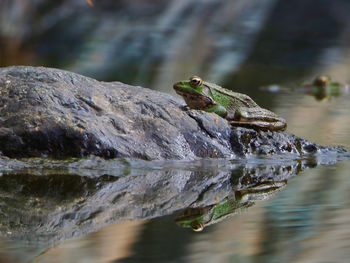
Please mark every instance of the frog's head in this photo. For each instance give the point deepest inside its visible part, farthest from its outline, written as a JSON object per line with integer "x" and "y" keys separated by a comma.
{"x": 198, "y": 218}
{"x": 196, "y": 94}
{"x": 322, "y": 81}
{"x": 195, "y": 218}
{"x": 193, "y": 85}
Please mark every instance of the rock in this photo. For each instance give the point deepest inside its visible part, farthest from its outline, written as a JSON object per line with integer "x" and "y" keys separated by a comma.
{"x": 47, "y": 112}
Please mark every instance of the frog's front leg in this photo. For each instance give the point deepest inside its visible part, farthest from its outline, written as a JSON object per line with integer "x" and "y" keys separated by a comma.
{"x": 185, "y": 108}
{"x": 219, "y": 110}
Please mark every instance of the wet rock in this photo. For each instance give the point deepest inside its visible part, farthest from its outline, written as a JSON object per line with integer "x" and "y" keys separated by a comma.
{"x": 48, "y": 112}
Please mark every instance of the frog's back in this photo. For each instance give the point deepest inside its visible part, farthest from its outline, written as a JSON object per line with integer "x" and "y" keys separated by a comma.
{"x": 231, "y": 99}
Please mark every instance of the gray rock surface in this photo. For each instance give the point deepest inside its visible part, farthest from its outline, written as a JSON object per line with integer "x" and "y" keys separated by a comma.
{"x": 47, "y": 112}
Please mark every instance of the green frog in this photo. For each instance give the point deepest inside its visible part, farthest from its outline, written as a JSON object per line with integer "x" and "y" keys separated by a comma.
{"x": 324, "y": 87}
{"x": 239, "y": 109}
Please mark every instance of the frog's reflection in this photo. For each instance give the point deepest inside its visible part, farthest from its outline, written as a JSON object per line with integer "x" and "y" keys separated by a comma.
{"x": 200, "y": 217}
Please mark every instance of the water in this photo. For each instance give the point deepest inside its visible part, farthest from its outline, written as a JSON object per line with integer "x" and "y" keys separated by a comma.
{"x": 126, "y": 210}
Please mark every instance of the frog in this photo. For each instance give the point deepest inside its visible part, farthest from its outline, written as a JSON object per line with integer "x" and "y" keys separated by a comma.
{"x": 324, "y": 87}
{"x": 237, "y": 108}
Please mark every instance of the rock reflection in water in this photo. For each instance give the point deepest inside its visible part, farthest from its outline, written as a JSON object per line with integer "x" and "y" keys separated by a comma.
{"x": 47, "y": 201}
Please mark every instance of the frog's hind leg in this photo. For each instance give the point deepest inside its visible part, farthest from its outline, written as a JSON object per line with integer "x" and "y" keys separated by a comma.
{"x": 260, "y": 126}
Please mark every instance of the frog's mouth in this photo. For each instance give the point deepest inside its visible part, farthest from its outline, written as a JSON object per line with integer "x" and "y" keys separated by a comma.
{"x": 195, "y": 214}
{"x": 184, "y": 91}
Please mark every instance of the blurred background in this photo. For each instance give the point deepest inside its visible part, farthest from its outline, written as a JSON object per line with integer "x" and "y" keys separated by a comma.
{"x": 241, "y": 45}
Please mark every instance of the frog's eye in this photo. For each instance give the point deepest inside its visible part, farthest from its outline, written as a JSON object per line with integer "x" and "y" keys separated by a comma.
{"x": 197, "y": 226}
{"x": 195, "y": 81}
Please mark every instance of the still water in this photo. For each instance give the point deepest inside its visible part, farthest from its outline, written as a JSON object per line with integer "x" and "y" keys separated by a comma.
{"x": 279, "y": 214}
{"x": 307, "y": 222}
{"x": 268, "y": 210}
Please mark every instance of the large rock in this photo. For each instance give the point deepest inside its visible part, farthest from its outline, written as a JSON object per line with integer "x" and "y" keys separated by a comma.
{"x": 54, "y": 113}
